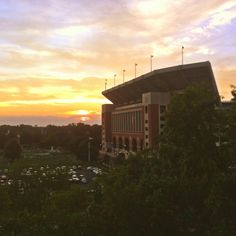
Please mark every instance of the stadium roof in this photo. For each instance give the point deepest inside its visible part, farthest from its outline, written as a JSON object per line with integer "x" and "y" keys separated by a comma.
{"x": 163, "y": 80}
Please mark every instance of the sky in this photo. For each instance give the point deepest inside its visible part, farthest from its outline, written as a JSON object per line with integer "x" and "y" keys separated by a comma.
{"x": 56, "y": 54}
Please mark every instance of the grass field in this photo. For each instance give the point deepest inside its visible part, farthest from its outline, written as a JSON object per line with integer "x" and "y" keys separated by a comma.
{"x": 39, "y": 157}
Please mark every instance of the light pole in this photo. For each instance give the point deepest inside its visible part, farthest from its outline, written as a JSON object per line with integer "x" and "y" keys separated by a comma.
{"x": 182, "y": 55}
{"x": 123, "y": 75}
{"x": 114, "y": 79}
{"x": 151, "y": 57}
{"x": 105, "y": 84}
{"x": 90, "y": 139}
{"x": 135, "y": 70}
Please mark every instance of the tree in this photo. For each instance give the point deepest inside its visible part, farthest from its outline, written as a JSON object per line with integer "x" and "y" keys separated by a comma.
{"x": 189, "y": 140}
{"x": 12, "y": 150}
{"x": 233, "y": 92}
{"x": 190, "y": 154}
{"x": 229, "y": 134}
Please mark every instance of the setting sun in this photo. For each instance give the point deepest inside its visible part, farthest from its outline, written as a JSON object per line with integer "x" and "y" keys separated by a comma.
{"x": 79, "y": 112}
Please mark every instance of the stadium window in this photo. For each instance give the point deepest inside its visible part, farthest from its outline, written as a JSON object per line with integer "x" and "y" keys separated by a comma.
{"x": 162, "y": 108}
{"x": 146, "y": 109}
{"x": 162, "y": 118}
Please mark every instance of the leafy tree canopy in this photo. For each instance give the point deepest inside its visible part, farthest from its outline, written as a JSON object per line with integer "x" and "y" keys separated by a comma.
{"x": 13, "y": 149}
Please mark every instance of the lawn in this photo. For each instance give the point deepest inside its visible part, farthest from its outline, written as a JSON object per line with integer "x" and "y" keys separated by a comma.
{"x": 36, "y": 158}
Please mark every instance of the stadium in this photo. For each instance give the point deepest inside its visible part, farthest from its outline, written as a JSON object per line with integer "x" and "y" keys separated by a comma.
{"x": 136, "y": 117}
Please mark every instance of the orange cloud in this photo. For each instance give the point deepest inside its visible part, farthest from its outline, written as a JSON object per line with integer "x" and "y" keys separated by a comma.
{"x": 50, "y": 97}
{"x": 54, "y": 61}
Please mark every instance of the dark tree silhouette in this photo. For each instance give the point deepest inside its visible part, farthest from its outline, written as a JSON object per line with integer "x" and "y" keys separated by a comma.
{"x": 12, "y": 149}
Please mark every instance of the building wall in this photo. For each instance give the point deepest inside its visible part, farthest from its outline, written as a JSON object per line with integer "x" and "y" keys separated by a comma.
{"x": 106, "y": 127}
{"x": 134, "y": 127}
{"x": 127, "y": 128}
{"x": 153, "y": 124}
{"x": 153, "y": 102}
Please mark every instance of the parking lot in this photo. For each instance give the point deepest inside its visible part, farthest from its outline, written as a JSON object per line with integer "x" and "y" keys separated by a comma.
{"x": 35, "y": 172}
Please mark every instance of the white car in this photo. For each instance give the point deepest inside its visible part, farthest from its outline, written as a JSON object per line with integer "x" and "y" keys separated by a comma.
{"x": 28, "y": 173}
{"x": 10, "y": 182}
{"x": 83, "y": 180}
{"x": 4, "y": 177}
{"x": 97, "y": 171}
{"x": 72, "y": 172}
{"x": 76, "y": 179}
{"x": 90, "y": 168}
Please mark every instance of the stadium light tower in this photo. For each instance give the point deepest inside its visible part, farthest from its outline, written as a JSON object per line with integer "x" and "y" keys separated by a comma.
{"x": 151, "y": 57}
{"x": 135, "y": 70}
{"x": 182, "y": 55}
{"x": 105, "y": 84}
{"x": 123, "y": 75}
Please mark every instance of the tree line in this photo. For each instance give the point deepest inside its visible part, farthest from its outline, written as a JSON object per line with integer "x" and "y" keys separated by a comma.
{"x": 72, "y": 137}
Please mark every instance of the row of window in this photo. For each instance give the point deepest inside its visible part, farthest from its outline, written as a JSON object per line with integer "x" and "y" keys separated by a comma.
{"x": 162, "y": 109}
{"x": 132, "y": 121}
{"x": 127, "y": 122}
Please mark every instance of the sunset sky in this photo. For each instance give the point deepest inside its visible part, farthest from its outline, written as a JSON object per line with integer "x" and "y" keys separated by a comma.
{"x": 56, "y": 54}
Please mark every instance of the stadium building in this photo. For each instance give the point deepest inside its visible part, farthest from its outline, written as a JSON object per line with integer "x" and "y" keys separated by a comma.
{"x": 136, "y": 117}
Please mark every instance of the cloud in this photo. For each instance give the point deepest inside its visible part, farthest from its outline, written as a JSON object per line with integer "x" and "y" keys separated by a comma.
{"x": 50, "y": 97}
{"x": 226, "y": 78}
{"x": 55, "y": 54}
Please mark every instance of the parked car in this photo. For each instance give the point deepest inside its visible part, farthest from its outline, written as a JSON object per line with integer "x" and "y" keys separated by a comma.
{"x": 84, "y": 180}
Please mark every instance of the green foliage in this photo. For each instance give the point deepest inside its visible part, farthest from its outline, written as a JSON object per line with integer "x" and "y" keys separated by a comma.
{"x": 68, "y": 137}
{"x": 12, "y": 149}
{"x": 143, "y": 197}
{"x": 233, "y": 92}
{"x": 230, "y": 134}
{"x": 189, "y": 141}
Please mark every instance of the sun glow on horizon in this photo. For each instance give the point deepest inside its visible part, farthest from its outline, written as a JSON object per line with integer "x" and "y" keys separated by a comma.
{"x": 79, "y": 112}
{"x": 81, "y": 115}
